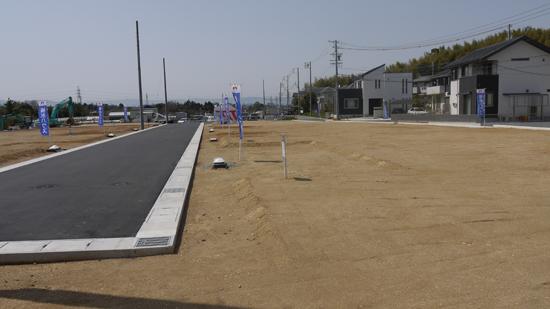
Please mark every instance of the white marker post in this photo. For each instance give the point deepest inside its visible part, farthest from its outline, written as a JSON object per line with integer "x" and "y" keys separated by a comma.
{"x": 283, "y": 146}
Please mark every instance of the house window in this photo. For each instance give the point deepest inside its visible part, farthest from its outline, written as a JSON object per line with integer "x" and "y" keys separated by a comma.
{"x": 377, "y": 84}
{"x": 487, "y": 68}
{"x": 520, "y": 59}
{"x": 351, "y": 103}
{"x": 463, "y": 71}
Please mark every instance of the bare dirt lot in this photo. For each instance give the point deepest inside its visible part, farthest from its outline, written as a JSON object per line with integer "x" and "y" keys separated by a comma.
{"x": 21, "y": 145}
{"x": 377, "y": 216}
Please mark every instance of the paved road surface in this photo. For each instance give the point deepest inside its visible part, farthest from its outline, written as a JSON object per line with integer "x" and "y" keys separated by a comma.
{"x": 100, "y": 192}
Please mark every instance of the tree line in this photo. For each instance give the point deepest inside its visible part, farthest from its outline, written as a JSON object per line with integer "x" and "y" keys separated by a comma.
{"x": 30, "y": 108}
{"x": 436, "y": 59}
{"x": 439, "y": 57}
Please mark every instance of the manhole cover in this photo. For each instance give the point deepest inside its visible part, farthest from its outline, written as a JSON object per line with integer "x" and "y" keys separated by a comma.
{"x": 174, "y": 190}
{"x": 153, "y": 242}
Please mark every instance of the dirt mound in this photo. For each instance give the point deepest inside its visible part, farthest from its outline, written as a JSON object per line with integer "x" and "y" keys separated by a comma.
{"x": 244, "y": 191}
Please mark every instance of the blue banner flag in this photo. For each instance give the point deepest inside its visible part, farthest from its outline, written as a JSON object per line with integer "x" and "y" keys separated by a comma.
{"x": 100, "y": 114}
{"x": 481, "y": 103}
{"x": 125, "y": 114}
{"x": 43, "y": 119}
{"x": 386, "y": 110}
{"x": 236, "y": 89}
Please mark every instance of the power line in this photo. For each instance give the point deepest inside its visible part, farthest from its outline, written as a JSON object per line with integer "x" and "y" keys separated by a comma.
{"x": 453, "y": 38}
{"x": 522, "y": 71}
{"x": 517, "y": 18}
{"x": 501, "y": 22}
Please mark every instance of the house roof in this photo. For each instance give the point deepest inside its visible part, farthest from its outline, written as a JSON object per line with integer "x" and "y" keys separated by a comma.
{"x": 483, "y": 53}
{"x": 421, "y": 79}
{"x": 427, "y": 78}
{"x": 372, "y": 70}
{"x": 444, "y": 73}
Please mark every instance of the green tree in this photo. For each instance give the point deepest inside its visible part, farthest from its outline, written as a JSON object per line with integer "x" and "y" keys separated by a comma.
{"x": 302, "y": 103}
{"x": 343, "y": 80}
{"x": 437, "y": 58}
{"x": 256, "y": 107}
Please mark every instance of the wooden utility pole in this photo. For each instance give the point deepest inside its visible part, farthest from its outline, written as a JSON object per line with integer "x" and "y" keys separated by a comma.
{"x": 298, "y": 81}
{"x": 280, "y": 94}
{"x": 308, "y": 66}
{"x": 263, "y": 92}
{"x": 336, "y": 63}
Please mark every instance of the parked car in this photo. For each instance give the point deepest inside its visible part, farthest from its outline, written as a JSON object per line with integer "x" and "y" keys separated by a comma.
{"x": 417, "y": 111}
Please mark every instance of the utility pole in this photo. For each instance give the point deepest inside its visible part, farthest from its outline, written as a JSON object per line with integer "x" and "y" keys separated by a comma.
{"x": 146, "y": 99}
{"x": 287, "y": 93}
{"x": 298, "y": 81}
{"x": 308, "y": 66}
{"x": 165, "y": 92}
{"x": 142, "y": 124}
{"x": 298, "y": 78}
{"x": 280, "y": 94}
{"x": 263, "y": 94}
{"x": 78, "y": 95}
{"x": 336, "y": 62}
{"x": 509, "y": 31}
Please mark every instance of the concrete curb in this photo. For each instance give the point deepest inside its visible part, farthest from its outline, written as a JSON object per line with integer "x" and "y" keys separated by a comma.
{"x": 157, "y": 235}
{"x": 503, "y": 126}
{"x": 476, "y": 126}
{"x": 53, "y": 155}
{"x": 452, "y": 125}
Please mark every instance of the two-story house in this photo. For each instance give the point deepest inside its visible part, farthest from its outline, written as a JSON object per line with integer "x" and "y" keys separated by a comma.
{"x": 434, "y": 91}
{"x": 379, "y": 86}
{"x": 515, "y": 75}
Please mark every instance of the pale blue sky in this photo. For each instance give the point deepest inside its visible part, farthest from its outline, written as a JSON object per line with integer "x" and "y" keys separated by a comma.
{"x": 49, "y": 47}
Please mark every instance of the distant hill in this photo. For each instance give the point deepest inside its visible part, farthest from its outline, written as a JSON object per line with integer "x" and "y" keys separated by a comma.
{"x": 441, "y": 56}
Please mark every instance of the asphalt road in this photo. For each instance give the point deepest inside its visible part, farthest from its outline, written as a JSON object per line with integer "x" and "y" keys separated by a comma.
{"x": 99, "y": 192}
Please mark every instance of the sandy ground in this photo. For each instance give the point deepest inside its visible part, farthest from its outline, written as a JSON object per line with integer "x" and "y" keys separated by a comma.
{"x": 373, "y": 215}
{"x": 21, "y": 145}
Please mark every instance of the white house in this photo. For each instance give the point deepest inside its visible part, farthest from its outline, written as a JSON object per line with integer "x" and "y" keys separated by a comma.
{"x": 434, "y": 91}
{"x": 515, "y": 75}
{"x": 379, "y": 86}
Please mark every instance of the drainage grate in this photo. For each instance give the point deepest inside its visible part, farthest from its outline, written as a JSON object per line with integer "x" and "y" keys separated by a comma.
{"x": 153, "y": 242}
{"x": 174, "y": 190}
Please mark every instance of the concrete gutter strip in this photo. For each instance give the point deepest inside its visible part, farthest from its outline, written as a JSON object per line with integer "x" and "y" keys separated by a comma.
{"x": 476, "y": 125}
{"x": 502, "y": 126}
{"x": 445, "y": 124}
{"x": 157, "y": 234}
{"x": 164, "y": 218}
{"x": 53, "y": 155}
{"x": 451, "y": 124}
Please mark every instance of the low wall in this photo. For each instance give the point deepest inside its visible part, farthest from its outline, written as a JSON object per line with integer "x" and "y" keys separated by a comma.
{"x": 308, "y": 118}
{"x": 434, "y": 118}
